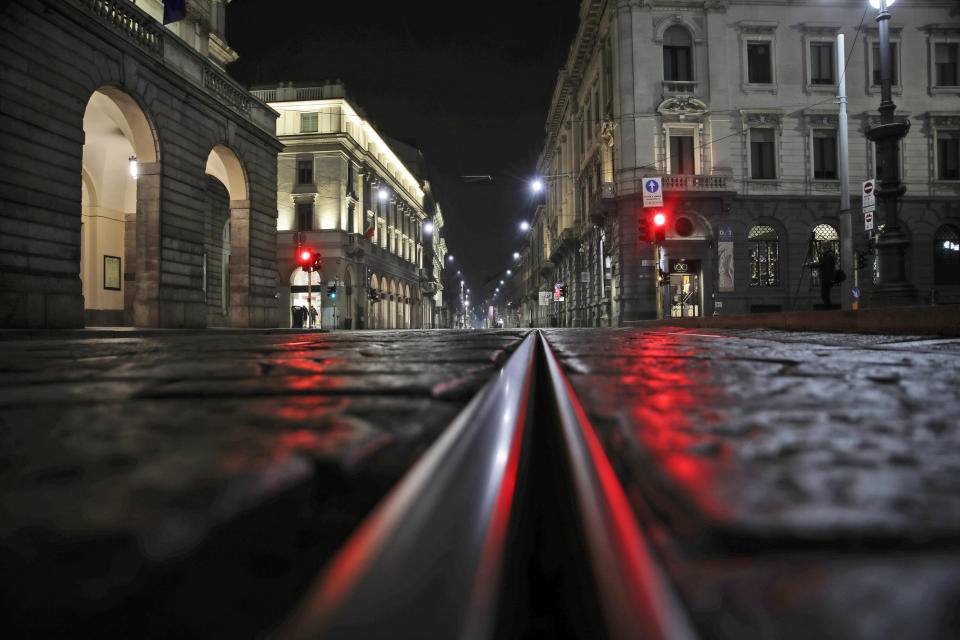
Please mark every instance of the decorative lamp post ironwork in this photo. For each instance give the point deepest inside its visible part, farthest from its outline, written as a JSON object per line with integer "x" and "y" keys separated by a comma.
{"x": 893, "y": 287}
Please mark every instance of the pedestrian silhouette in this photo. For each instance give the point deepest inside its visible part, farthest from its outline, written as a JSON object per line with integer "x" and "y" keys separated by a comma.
{"x": 828, "y": 275}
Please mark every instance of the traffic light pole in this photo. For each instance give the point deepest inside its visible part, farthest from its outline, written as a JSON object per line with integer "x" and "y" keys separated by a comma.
{"x": 656, "y": 282}
{"x": 309, "y": 304}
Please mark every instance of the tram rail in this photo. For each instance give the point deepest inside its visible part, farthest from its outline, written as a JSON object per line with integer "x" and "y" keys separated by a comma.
{"x": 512, "y": 524}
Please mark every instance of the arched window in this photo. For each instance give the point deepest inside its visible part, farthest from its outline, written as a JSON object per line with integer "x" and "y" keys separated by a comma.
{"x": 677, "y": 55}
{"x": 946, "y": 255}
{"x": 824, "y": 238}
{"x": 764, "y": 256}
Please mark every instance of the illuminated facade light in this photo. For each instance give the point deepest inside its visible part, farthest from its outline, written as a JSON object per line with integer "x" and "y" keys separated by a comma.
{"x": 134, "y": 167}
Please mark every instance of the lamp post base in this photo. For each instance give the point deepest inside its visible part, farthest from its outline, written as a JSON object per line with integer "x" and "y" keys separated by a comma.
{"x": 894, "y": 289}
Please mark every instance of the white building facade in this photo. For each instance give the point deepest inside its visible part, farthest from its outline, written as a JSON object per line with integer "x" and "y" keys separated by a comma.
{"x": 732, "y": 104}
{"x": 345, "y": 194}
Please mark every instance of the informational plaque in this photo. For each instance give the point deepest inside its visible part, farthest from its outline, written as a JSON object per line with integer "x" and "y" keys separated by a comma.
{"x": 111, "y": 272}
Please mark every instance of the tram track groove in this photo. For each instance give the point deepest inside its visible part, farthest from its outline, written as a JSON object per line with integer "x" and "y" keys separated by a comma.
{"x": 459, "y": 547}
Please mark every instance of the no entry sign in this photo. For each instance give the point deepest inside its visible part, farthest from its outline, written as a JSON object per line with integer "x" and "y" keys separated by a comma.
{"x": 868, "y": 194}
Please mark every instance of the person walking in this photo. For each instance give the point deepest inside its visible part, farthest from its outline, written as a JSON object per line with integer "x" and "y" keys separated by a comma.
{"x": 828, "y": 275}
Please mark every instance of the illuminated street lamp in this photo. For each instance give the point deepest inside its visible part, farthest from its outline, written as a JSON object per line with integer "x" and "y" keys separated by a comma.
{"x": 537, "y": 185}
{"x": 382, "y": 194}
{"x": 509, "y": 272}
{"x": 893, "y": 287}
{"x": 524, "y": 225}
{"x": 516, "y": 255}
{"x": 428, "y": 228}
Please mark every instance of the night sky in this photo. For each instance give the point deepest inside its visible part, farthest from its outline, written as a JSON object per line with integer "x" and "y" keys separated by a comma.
{"x": 470, "y": 83}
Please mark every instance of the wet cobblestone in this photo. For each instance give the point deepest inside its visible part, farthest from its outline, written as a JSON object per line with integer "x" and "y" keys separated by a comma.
{"x": 147, "y": 458}
{"x": 795, "y": 482}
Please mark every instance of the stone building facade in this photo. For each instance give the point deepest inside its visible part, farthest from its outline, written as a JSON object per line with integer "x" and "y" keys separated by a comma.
{"x": 356, "y": 198}
{"x": 732, "y": 104}
{"x": 137, "y": 180}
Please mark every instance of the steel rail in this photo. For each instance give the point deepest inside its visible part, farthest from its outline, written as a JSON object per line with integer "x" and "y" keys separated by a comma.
{"x": 427, "y": 562}
{"x": 635, "y": 596}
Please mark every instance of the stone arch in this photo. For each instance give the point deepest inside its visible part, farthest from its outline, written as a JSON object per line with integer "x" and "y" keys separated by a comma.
{"x": 120, "y": 211}
{"x": 300, "y": 279}
{"x": 678, "y": 20}
{"x": 223, "y": 164}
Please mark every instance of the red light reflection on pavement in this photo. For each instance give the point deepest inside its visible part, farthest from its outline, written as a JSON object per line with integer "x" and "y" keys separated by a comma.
{"x": 302, "y": 408}
{"x": 672, "y": 396}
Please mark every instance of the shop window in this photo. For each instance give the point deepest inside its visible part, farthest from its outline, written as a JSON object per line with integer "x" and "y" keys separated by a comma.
{"x": 764, "y": 246}
{"x": 946, "y": 255}
{"x": 825, "y": 238}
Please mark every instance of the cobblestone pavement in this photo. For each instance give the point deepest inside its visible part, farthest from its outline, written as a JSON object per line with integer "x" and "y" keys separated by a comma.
{"x": 141, "y": 473}
{"x": 810, "y": 483}
{"x": 796, "y": 485}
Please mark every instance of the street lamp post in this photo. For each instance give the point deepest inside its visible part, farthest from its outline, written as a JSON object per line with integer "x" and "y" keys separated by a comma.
{"x": 893, "y": 288}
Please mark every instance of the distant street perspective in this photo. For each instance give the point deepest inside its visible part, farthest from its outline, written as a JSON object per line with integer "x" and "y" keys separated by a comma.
{"x": 582, "y": 319}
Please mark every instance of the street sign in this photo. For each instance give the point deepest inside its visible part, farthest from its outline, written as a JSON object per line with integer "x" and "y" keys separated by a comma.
{"x": 652, "y": 192}
{"x": 545, "y": 298}
{"x": 856, "y": 293}
{"x": 868, "y": 220}
{"x": 868, "y": 194}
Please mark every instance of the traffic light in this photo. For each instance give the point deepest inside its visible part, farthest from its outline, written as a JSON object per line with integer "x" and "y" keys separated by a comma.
{"x": 860, "y": 260}
{"x": 309, "y": 259}
{"x": 373, "y": 295}
{"x": 305, "y": 257}
{"x": 659, "y": 220}
{"x": 332, "y": 291}
{"x": 563, "y": 291}
{"x": 643, "y": 228}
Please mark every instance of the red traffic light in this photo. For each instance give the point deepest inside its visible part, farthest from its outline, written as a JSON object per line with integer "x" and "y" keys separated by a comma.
{"x": 659, "y": 219}
{"x": 309, "y": 259}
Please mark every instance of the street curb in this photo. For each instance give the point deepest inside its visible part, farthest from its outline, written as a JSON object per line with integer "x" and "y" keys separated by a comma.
{"x": 942, "y": 320}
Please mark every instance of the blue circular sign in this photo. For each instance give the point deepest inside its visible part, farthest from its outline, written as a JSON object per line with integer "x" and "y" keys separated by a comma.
{"x": 652, "y": 186}
{"x": 856, "y": 293}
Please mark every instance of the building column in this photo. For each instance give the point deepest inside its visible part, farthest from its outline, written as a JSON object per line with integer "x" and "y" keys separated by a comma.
{"x": 146, "y": 303}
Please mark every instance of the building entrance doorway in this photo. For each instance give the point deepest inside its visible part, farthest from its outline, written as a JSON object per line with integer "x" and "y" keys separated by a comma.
{"x": 686, "y": 297}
